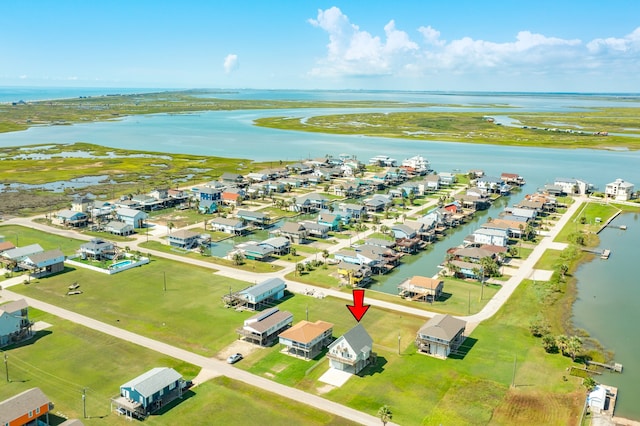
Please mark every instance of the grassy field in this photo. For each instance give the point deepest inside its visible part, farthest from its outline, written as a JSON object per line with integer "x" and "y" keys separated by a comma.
{"x": 65, "y": 358}
{"x": 472, "y": 127}
{"x": 22, "y": 236}
{"x": 589, "y": 211}
{"x": 183, "y": 316}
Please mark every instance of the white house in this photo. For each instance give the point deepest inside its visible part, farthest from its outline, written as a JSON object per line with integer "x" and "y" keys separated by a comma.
{"x": 494, "y": 237}
{"x": 131, "y": 217}
{"x": 619, "y": 190}
{"x": 351, "y": 352}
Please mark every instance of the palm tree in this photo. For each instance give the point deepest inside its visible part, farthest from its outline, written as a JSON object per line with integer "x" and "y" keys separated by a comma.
{"x": 385, "y": 414}
{"x": 562, "y": 342}
{"x": 563, "y": 269}
{"x": 325, "y": 255}
{"x": 238, "y": 258}
{"x": 574, "y": 346}
{"x": 170, "y": 226}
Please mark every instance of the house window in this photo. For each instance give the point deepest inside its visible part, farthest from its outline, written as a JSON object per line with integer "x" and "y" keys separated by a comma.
{"x": 38, "y": 410}
{"x": 30, "y": 414}
{"x": 172, "y": 386}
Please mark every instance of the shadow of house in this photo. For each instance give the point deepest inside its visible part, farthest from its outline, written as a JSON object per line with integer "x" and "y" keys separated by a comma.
{"x": 463, "y": 349}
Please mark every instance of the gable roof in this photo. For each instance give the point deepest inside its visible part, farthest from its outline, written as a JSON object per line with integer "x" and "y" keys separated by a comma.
{"x": 44, "y": 256}
{"x": 123, "y": 211}
{"x": 262, "y": 323}
{"x": 305, "y": 331}
{"x": 424, "y": 282}
{"x": 357, "y": 338}
{"x": 22, "y": 251}
{"x": 251, "y": 214}
{"x": 14, "y": 306}
{"x": 21, "y": 404}
{"x": 184, "y": 234}
{"x": 6, "y": 245}
{"x": 444, "y": 327}
{"x": 153, "y": 380}
{"x": 292, "y": 227}
{"x": 264, "y": 286}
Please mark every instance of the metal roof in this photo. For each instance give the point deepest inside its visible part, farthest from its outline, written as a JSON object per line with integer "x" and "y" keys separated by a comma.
{"x": 153, "y": 381}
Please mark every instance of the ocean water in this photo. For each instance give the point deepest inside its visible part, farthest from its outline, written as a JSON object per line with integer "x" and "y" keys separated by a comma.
{"x": 607, "y": 289}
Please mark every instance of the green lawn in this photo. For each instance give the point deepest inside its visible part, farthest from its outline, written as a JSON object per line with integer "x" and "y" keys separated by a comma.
{"x": 21, "y": 236}
{"x": 247, "y": 265}
{"x": 590, "y": 211}
{"x": 67, "y": 357}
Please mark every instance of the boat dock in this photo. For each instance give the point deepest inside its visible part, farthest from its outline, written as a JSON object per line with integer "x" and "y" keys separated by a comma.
{"x": 613, "y": 367}
{"x": 604, "y": 254}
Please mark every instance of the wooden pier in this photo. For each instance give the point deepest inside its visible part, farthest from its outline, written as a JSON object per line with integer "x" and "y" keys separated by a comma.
{"x": 613, "y": 367}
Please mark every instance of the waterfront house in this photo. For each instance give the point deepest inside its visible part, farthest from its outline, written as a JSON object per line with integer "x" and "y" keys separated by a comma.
{"x": 597, "y": 399}
{"x": 378, "y": 203}
{"x": 295, "y": 232}
{"x": 231, "y": 226}
{"x": 512, "y": 179}
{"x": 496, "y": 237}
{"x": 207, "y": 206}
{"x": 352, "y": 351}
{"x": 421, "y": 289}
{"x": 254, "y": 250}
{"x": 263, "y": 293}
{"x": 431, "y": 183}
{"x": 352, "y": 211}
{"x": 440, "y": 336}
{"x": 619, "y": 190}
{"x": 183, "y": 238}
{"x": 149, "y": 392}
{"x": 14, "y": 322}
{"x": 30, "y": 407}
{"x": 254, "y": 218}
{"x": 348, "y": 256}
{"x": 387, "y": 244}
{"x": 279, "y": 245}
{"x": 490, "y": 183}
{"x": 263, "y": 328}
{"x": 332, "y": 220}
{"x": 514, "y": 228}
{"x": 355, "y": 274}
{"x": 316, "y": 230}
{"x": 528, "y": 214}
{"x": 231, "y": 178}
{"x": 70, "y": 218}
{"x": 135, "y": 218}
{"x": 45, "y": 263}
{"x": 416, "y": 164}
{"x": 310, "y": 202}
{"x": 307, "y": 339}
{"x": 81, "y": 203}
{"x": 447, "y": 178}
{"x": 402, "y": 231}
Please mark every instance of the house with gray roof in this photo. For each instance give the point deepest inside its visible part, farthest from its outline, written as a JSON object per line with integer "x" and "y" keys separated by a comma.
{"x": 45, "y": 263}
{"x": 263, "y": 328}
{"x": 317, "y": 230}
{"x": 98, "y": 249}
{"x": 14, "y": 322}
{"x": 440, "y": 336}
{"x": 132, "y": 217}
{"x": 26, "y": 408}
{"x": 296, "y": 232}
{"x": 352, "y": 351}
{"x": 255, "y": 218}
{"x": 183, "y": 238}
{"x": 149, "y": 392}
{"x": 70, "y": 218}
{"x": 228, "y": 225}
{"x": 263, "y": 293}
{"x": 279, "y": 245}
{"x": 117, "y": 227}
{"x": 19, "y": 254}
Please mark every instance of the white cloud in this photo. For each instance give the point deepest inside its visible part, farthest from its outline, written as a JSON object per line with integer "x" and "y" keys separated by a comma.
{"x": 352, "y": 51}
{"x": 231, "y": 63}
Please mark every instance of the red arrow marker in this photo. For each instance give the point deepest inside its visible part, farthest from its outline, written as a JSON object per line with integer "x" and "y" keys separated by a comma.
{"x": 358, "y": 309}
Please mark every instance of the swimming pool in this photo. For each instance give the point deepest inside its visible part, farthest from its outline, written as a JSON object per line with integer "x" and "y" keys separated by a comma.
{"x": 121, "y": 264}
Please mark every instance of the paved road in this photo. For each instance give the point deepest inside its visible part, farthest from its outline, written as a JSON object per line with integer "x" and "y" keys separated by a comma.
{"x": 215, "y": 367}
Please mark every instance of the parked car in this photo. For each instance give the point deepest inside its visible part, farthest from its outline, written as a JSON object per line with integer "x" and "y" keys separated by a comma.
{"x": 234, "y": 358}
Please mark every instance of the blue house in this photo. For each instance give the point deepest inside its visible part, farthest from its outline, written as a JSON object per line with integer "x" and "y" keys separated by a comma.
{"x": 207, "y": 206}
{"x": 14, "y": 322}
{"x": 206, "y": 193}
{"x": 263, "y": 293}
{"x": 330, "y": 219}
{"x": 150, "y": 391}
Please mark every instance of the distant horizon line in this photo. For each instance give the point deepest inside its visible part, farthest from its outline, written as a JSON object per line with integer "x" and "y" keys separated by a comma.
{"x": 220, "y": 89}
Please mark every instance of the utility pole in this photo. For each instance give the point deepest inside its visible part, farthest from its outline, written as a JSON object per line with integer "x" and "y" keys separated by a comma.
{"x": 164, "y": 278}
{"x": 84, "y": 402}
{"x": 6, "y": 366}
{"x": 307, "y": 312}
{"x": 398, "y": 343}
{"x": 513, "y": 378}
{"x": 469, "y": 305}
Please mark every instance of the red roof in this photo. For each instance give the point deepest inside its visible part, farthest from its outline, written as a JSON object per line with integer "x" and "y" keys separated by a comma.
{"x": 231, "y": 196}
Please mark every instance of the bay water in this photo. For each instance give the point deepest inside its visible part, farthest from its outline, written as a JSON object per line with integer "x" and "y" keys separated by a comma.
{"x": 607, "y": 291}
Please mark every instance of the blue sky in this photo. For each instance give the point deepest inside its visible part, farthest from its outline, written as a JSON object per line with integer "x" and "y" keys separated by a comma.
{"x": 518, "y": 45}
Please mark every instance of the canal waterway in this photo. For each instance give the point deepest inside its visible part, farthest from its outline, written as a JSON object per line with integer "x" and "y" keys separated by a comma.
{"x": 607, "y": 293}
